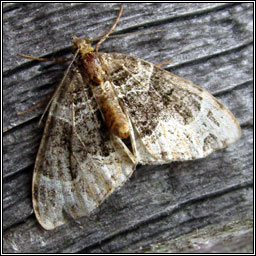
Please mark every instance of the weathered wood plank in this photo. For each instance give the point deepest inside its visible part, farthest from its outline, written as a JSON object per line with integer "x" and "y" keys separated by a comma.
{"x": 209, "y": 44}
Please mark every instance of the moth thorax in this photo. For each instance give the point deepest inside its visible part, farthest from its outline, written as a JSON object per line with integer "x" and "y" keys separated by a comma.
{"x": 93, "y": 68}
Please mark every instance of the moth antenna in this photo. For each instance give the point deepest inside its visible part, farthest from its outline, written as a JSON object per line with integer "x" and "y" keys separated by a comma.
{"x": 132, "y": 33}
{"x": 58, "y": 88}
{"x": 110, "y": 31}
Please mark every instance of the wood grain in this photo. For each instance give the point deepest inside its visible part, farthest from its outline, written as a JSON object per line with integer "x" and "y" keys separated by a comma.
{"x": 210, "y": 44}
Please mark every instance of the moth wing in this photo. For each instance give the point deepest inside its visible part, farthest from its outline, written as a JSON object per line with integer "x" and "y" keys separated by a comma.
{"x": 78, "y": 164}
{"x": 171, "y": 118}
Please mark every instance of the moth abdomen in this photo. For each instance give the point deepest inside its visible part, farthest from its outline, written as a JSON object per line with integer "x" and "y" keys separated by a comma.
{"x": 113, "y": 115}
{"x": 105, "y": 96}
{"x": 115, "y": 119}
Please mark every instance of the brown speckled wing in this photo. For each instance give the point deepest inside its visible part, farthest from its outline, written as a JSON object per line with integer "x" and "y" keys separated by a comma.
{"x": 78, "y": 163}
{"x": 172, "y": 119}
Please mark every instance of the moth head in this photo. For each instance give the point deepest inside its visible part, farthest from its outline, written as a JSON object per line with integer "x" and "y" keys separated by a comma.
{"x": 83, "y": 44}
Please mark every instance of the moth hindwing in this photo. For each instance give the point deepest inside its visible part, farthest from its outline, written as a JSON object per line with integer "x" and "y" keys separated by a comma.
{"x": 111, "y": 112}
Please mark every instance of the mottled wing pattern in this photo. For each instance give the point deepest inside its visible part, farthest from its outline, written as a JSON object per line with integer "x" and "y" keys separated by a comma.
{"x": 172, "y": 119}
{"x": 78, "y": 164}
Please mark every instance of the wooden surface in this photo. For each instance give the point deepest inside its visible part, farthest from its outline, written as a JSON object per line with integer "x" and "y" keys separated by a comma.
{"x": 210, "y": 45}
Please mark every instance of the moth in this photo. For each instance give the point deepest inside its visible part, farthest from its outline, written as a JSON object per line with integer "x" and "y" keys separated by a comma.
{"x": 111, "y": 112}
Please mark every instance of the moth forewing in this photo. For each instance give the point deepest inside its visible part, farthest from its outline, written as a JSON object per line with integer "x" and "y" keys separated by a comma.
{"x": 78, "y": 163}
{"x": 173, "y": 118}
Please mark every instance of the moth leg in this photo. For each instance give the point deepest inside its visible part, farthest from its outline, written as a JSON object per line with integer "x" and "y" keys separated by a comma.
{"x": 44, "y": 59}
{"x": 59, "y": 86}
{"x": 38, "y": 105}
{"x": 163, "y": 63}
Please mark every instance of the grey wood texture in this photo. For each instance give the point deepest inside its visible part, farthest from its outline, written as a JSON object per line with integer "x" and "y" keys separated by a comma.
{"x": 210, "y": 44}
